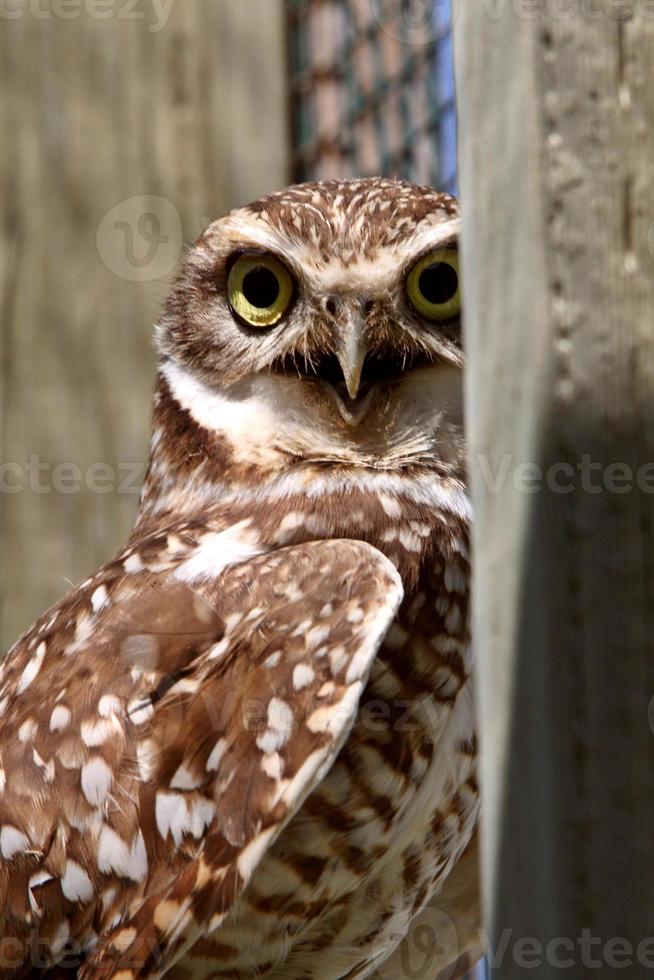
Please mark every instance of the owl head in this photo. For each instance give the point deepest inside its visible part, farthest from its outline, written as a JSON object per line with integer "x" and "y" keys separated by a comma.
{"x": 322, "y": 324}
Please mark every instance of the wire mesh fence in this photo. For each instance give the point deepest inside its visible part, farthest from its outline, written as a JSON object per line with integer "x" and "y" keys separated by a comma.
{"x": 372, "y": 89}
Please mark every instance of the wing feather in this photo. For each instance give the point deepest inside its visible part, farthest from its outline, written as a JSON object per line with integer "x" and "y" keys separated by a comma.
{"x": 177, "y": 720}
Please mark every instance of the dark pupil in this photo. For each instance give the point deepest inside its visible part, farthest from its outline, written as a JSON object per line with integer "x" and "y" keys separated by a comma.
{"x": 438, "y": 283}
{"x": 261, "y": 287}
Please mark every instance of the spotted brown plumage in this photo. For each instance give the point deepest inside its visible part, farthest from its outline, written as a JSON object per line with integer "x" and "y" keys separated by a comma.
{"x": 246, "y": 745}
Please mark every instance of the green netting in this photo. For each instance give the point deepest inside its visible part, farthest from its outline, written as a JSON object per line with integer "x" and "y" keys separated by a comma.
{"x": 371, "y": 89}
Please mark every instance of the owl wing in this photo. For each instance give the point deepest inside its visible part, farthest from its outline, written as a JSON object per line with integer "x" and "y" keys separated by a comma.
{"x": 157, "y": 740}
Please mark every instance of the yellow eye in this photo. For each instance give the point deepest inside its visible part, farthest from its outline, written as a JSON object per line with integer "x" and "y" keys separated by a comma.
{"x": 259, "y": 290}
{"x": 433, "y": 285}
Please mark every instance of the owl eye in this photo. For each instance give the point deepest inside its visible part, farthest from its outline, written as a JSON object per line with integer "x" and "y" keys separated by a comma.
{"x": 259, "y": 290}
{"x": 433, "y": 285}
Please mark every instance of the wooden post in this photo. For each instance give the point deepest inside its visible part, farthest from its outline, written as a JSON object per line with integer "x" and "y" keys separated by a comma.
{"x": 125, "y": 131}
{"x": 556, "y": 145}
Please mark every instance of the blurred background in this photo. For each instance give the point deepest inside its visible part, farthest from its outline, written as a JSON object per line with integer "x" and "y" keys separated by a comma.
{"x": 127, "y": 126}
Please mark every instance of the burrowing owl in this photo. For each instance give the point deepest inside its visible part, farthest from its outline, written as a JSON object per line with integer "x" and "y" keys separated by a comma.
{"x": 246, "y": 746}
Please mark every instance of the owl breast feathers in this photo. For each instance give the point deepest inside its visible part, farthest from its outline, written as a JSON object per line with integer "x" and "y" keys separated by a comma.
{"x": 246, "y": 745}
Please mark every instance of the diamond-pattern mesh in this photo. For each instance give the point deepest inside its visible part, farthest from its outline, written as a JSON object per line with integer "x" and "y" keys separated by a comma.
{"x": 371, "y": 89}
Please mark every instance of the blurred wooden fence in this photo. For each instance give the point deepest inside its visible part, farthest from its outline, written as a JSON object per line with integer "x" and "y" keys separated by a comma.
{"x": 182, "y": 101}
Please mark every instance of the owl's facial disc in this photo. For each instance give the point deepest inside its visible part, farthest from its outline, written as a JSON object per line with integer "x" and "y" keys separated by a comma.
{"x": 323, "y": 323}
{"x": 364, "y": 340}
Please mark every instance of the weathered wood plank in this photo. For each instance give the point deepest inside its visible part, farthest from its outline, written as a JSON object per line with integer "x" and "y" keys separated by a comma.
{"x": 556, "y": 149}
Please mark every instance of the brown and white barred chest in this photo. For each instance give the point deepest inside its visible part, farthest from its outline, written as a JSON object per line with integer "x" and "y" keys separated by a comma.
{"x": 385, "y": 828}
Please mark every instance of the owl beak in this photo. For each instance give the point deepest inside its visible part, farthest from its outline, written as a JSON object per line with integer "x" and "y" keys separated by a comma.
{"x": 351, "y": 353}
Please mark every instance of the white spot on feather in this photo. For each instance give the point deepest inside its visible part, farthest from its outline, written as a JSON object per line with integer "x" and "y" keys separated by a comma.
{"x": 83, "y": 631}
{"x": 108, "y": 898}
{"x": 114, "y": 855}
{"x": 108, "y": 705}
{"x": 140, "y": 711}
{"x": 97, "y": 732}
{"x": 202, "y": 812}
{"x": 146, "y": 754}
{"x": 124, "y": 939}
{"x": 218, "y": 650}
{"x": 184, "y": 779}
{"x": 410, "y": 541}
{"x": 216, "y": 754}
{"x": 280, "y": 725}
{"x": 303, "y": 675}
{"x": 133, "y": 564}
{"x": 331, "y": 718}
{"x": 316, "y": 636}
{"x": 27, "y": 730}
{"x": 219, "y": 549}
{"x": 96, "y": 779}
{"x": 251, "y": 854}
{"x": 390, "y": 505}
{"x": 99, "y": 598}
{"x": 12, "y": 841}
{"x": 171, "y": 814}
{"x": 32, "y": 668}
{"x": 174, "y": 816}
{"x": 138, "y": 858}
{"x": 76, "y": 884}
{"x": 337, "y": 659}
{"x": 273, "y": 765}
{"x": 291, "y": 521}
